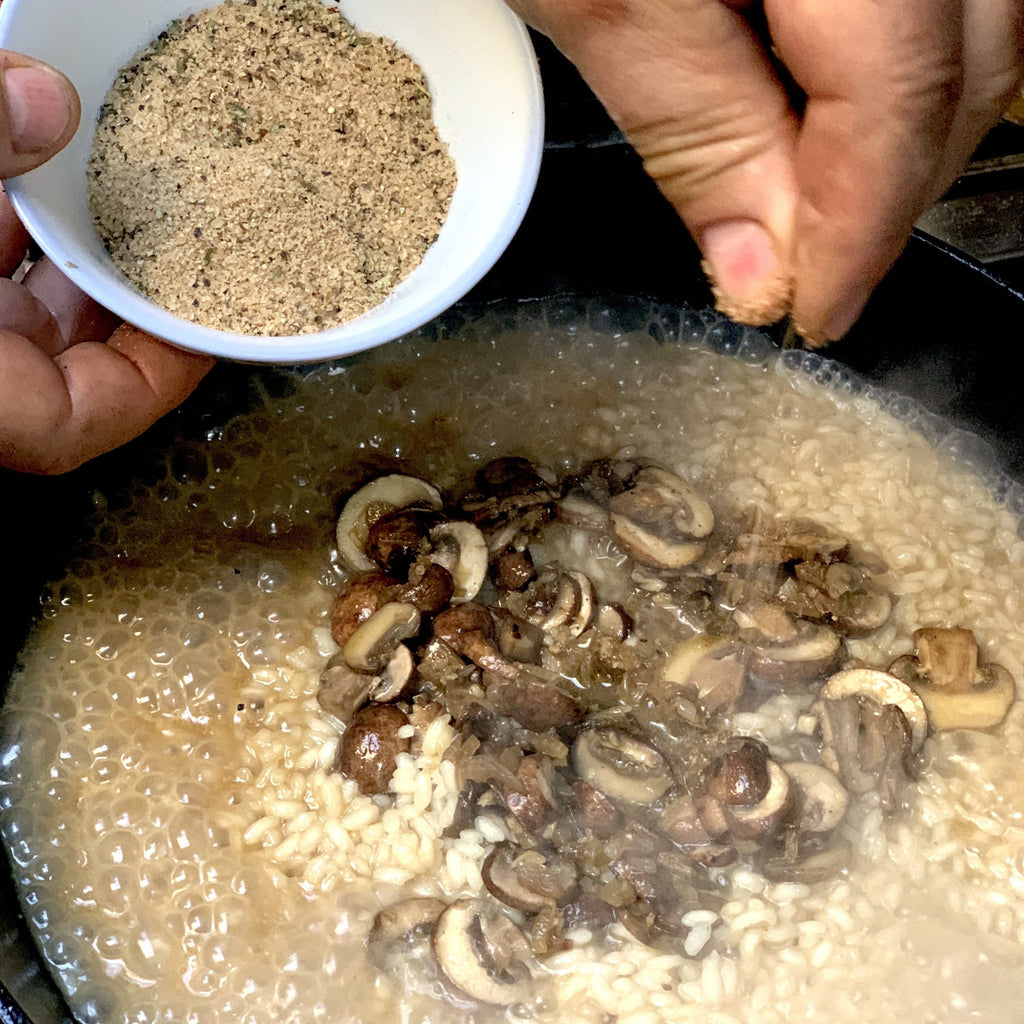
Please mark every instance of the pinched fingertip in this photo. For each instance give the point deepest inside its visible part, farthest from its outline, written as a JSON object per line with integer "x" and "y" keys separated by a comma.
{"x": 749, "y": 280}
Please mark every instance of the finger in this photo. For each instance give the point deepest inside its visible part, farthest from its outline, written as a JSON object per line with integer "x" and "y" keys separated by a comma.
{"x": 39, "y": 113}
{"x": 693, "y": 90}
{"x": 78, "y": 317}
{"x": 882, "y": 78}
{"x": 14, "y": 239}
{"x": 22, "y": 313}
{"x": 993, "y": 67}
{"x": 57, "y": 414}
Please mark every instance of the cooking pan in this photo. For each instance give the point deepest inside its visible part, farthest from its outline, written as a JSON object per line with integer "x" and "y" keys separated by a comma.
{"x": 937, "y": 330}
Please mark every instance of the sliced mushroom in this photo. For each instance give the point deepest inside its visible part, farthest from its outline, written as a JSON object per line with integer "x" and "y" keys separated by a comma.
{"x": 868, "y": 745}
{"x": 374, "y": 643}
{"x": 613, "y": 620}
{"x": 342, "y": 690}
{"x": 395, "y": 677}
{"x": 821, "y": 799}
{"x": 402, "y": 931}
{"x": 483, "y": 954}
{"x": 661, "y": 520}
{"x": 528, "y": 880}
{"x": 368, "y": 504}
{"x": 621, "y": 766}
{"x": 883, "y": 688}
{"x": 714, "y": 668}
{"x": 461, "y": 548}
{"x": 811, "y": 868}
{"x": 956, "y": 691}
{"x": 680, "y": 820}
{"x": 518, "y": 640}
{"x": 557, "y": 600}
{"x": 812, "y": 652}
{"x": 370, "y": 746}
{"x": 764, "y": 818}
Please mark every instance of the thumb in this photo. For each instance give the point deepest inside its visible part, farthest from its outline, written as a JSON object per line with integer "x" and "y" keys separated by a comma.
{"x": 694, "y": 91}
{"x": 39, "y": 113}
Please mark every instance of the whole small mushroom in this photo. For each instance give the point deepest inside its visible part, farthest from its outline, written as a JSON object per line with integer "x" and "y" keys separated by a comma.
{"x": 369, "y": 749}
{"x": 763, "y": 819}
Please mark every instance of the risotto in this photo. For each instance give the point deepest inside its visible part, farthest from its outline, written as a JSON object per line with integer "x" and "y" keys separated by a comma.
{"x": 192, "y": 843}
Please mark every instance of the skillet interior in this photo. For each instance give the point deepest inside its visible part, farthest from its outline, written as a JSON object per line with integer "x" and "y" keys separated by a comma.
{"x": 936, "y": 330}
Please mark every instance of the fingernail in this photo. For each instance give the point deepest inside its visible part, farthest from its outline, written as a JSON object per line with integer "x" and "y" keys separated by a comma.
{"x": 746, "y": 275}
{"x": 37, "y": 107}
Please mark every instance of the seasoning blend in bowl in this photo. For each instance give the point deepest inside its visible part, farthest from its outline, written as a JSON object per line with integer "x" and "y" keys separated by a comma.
{"x": 282, "y": 180}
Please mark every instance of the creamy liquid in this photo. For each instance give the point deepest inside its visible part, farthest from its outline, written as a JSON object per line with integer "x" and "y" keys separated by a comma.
{"x": 183, "y": 853}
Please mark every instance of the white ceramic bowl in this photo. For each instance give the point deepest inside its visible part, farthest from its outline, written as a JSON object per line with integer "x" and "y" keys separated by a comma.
{"x": 482, "y": 72}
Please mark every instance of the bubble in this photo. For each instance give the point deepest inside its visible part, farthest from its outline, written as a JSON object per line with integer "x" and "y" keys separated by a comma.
{"x": 28, "y": 747}
{"x": 117, "y": 889}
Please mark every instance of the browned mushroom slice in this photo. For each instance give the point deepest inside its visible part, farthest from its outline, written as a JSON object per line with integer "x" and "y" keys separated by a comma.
{"x": 840, "y": 593}
{"x": 957, "y": 692}
{"x": 370, "y": 746}
{"x": 342, "y": 690}
{"x": 402, "y": 931}
{"x": 528, "y": 880}
{"x": 739, "y": 776}
{"x": 661, "y": 520}
{"x": 621, "y": 766}
{"x": 821, "y": 799}
{"x": 763, "y": 819}
{"x": 368, "y": 504}
{"x": 810, "y": 653}
{"x": 374, "y": 643}
{"x": 461, "y": 548}
{"x": 483, "y": 954}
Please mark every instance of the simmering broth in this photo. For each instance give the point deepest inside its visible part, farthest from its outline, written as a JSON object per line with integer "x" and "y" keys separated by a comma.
{"x": 184, "y": 851}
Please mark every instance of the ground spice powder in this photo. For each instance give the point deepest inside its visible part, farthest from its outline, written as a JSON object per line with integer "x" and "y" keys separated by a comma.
{"x": 264, "y": 168}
